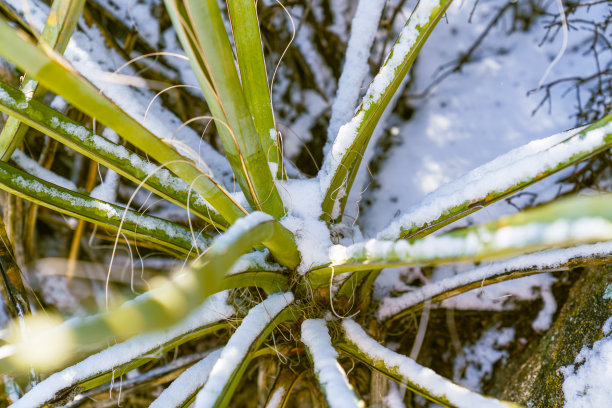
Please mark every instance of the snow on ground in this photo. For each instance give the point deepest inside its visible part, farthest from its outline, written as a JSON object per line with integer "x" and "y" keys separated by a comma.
{"x": 137, "y": 15}
{"x": 474, "y": 115}
{"x": 476, "y": 363}
{"x": 587, "y": 381}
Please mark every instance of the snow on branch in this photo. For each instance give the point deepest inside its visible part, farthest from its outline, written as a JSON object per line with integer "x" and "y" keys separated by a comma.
{"x": 542, "y": 261}
{"x": 422, "y": 379}
{"x": 188, "y": 383}
{"x": 479, "y": 243}
{"x": 238, "y": 346}
{"x": 501, "y": 176}
{"x": 363, "y": 31}
{"x": 332, "y": 377}
{"x": 381, "y": 86}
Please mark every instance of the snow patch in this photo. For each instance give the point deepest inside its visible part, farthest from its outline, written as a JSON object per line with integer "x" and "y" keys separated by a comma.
{"x": 587, "y": 381}
{"x": 476, "y": 363}
{"x": 302, "y": 198}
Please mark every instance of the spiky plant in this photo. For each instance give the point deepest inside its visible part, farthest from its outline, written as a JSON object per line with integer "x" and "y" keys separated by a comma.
{"x": 272, "y": 238}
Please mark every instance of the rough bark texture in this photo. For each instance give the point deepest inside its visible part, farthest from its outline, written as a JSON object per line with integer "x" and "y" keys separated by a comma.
{"x": 533, "y": 378}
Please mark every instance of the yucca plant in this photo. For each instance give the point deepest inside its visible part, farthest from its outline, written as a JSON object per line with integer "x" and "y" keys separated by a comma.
{"x": 266, "y": 268}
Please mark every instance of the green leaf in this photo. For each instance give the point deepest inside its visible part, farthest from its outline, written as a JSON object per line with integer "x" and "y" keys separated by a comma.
{"x": 56, "y": 74}
{"x": 16, "y": 301}
{"x": 249, "y": 53}
{"x": 109, "y": 216}
{"x": 182, "y": 391}
{"x": 289, "y": 313}
{"x": 393, "y": 308}
{"x": 120, "y": 358}
{"x": 270, "y": 282}
{"x": 60, "y": 25}
{"x": 496, "y": 180}
{"x": 127, "y": 366}
{"x": 343, "y": 160}
{"x": 562, "y": 223}
{"x": 408, "y": 373}
{"x": 173, "y": 299}
{"x": 105, "y": 152}
{"x": 202, "y": 33}
{"x": 330, "y": 375}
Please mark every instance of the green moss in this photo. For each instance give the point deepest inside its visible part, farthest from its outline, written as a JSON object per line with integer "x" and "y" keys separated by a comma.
{"x": 533, "y": 378}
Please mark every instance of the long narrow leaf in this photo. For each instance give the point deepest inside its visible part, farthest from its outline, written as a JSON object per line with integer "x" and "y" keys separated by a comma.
{"x": 407, "y": 372}
{"x": 563, "y": 223}
{"x": 60, "y": 25}
{"x": 202, "y": 33}
{"x": 52, "y": 71}
{"x": 183, "y": 390}
{"x": 172, "y": 300}
{"x": 364, "y": 28}
{"x": 342, "y": 162}
{"x": 249, "y": 52}
{"x": 331, "y": 376}
{"x": 16, "y": 301}
{"x": 234, "y": 359}
{"x": 392, "y": 308}
{"x": 103, "y": 151}
{"x": 123, "y": 357}
{"x": 109, "y": 216}
{"x": 500, "y": 178}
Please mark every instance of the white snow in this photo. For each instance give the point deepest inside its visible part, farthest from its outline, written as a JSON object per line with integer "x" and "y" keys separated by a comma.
{"x": 587, "y": 381}
{"x": 186, "y": 384}
{"x": 363, "y": 31}
{"x": 238, "y": 346}
{"x": 421, "y": 15}
{"x": 477, "y": 113}
{"x": 138, "y": 15}
{"x": 276, "y": 398}
{"x": 212, "y": 310}
{"x": 538, "y": 261}
{"x": 331, "y": 376}
{"x": 107, "y": 189}
{"x": 303, "y": 198}
{"x": 300, "y": 134}
{"x": 303, "y": 41}
{"x": 108, "y": 146}
{"x": 339, "y": 9}
{"x": 394, "y": 399}
{"x": 420, "y": 376}
{"x": 479, "y": 242}
{"x": 476, "y": 363}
